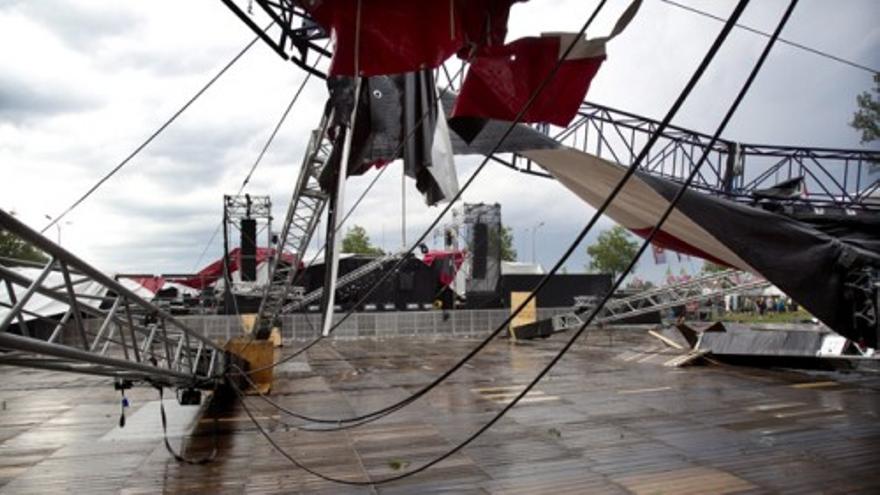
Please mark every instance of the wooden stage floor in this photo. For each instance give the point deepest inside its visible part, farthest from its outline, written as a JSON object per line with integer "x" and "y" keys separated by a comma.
{"x": 611, "y": 418}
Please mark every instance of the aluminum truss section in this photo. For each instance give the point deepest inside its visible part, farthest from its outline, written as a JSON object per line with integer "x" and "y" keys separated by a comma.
{"x": 297, "y": 29}
{"x": 303, "y": 214}
{"x": 348, "y": 278}
{"x": 68, "y": 316}
{"x": 831, "y": 177}
{"x": 695, "y": 290}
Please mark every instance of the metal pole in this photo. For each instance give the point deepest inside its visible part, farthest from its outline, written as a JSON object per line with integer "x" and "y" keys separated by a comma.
{"x": 336, "y": 221}
{"x": 227, "y": 280}
{"x": 403, "y": 244}
{"x": 534, "y": 233}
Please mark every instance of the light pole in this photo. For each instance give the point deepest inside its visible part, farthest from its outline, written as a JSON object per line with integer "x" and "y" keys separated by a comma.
{"x": 534, "y": 232}
{"x": 57, "y": 226}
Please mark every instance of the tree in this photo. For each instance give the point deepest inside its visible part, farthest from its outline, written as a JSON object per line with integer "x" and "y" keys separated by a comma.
{"x": 508, "y": 252}
{"x": 613, "y": 251}
{"x": 710, "y": 267}
{"x": 867, "y": 117}
{"x": 13, "y": 247}
{"x": 356, "y": 241}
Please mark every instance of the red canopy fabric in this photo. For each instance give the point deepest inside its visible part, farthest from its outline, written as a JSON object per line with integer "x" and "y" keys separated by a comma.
{"x": 502, "y": 79}
{"x": 214, "y": 271}
{"x": 397, "y": 36}
{"x": 152, "y": 284}
{"x": 456, "y": 258}
{"x": 500, "y": 83}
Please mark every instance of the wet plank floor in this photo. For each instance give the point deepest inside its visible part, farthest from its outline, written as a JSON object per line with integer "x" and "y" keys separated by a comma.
{"x": 611, "y": 418}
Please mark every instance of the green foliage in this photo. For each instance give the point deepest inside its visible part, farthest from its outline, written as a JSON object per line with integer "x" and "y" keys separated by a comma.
{"x": 613, "y": 251}
{"x": 799, "y": 316}
{"x": 508, "y": 252}
{"x": 13, "y": 247}
{"x": 709, "y": 267}
{"x": 867, "y": 117}
{"x": 356, "y": 241}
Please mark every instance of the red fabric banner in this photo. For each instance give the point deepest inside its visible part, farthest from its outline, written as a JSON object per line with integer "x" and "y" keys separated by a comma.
{"x": 665, "y": 240}
{"x": 456, "y": 258}
{"x": 214, "y": 271}
{"x": 397, "y": 36}
{"x": 394, "y": 36}
{"x": 500, "y": 83}
{"x": 152, "y": 284}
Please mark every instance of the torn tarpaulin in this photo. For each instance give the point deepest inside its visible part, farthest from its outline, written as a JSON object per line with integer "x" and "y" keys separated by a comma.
{"x": 503, "y": 79}
{"x": 380, "y": 37}
{"x": 397, "y": 117}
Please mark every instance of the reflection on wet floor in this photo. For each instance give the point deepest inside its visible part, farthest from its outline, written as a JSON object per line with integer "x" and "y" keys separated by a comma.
{"x": 611, "y": 418}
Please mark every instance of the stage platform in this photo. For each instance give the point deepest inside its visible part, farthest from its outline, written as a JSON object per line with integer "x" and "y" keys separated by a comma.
{"x": 611, "y": 418}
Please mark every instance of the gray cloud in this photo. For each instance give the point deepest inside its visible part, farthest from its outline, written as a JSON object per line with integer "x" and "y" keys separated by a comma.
{"x": 80, "y": 25}
{"x": 22, "y": 101}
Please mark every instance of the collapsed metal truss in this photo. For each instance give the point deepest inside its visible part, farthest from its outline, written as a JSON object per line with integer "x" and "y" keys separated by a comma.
{"x": 704, "y": 288}
{"x": 349, "y": 278}
{"x": 297, "y": 30}
{"x": 696, "y": 290}
{"x": 107, "y": 330}
{"x": 832, "y": 177}
{"x": 304, "y": 212}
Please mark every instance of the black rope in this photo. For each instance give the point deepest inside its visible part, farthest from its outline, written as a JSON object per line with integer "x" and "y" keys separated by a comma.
{"x": 214, "y": 434}
{"x": 153, "y": 136}
{"x": 767, "y": 35}
{"x": 617, "y": 283}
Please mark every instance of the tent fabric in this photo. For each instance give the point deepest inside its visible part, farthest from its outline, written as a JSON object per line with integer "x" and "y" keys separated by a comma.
{"x": 152, "y": 284}
{"x": 448, "y": 262}
{"x": 502, "y": 79}
{"x": 389, "y": 124}
{"x": 639, "y": 206}
{"x": 46, "y": 306}
{"x": 807, "y": 264}
{"x": 213, "y": 272}
{"x": 500, "y": 83}
{"x": 392, "y": 37}
{"x": 382, "y": 37}
{"x": 809, "y": 261}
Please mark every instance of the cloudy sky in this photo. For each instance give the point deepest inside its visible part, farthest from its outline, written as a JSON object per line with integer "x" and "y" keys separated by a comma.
{"x": 83, "y": 82}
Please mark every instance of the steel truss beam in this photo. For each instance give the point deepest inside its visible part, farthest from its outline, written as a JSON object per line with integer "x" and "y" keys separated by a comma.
{"x": 294, "y": 41}
{"x": 110, "y": 331}
{"x": 303, "y": 213}
{"x": 349, "y": 278}
{"x": 832, "y": 177}
{"x": 697, "y": 289}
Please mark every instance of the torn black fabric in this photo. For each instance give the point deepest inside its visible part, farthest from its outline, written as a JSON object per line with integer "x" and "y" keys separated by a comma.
{"x": 811, "y": 266}
{"x": 396, "y": 118}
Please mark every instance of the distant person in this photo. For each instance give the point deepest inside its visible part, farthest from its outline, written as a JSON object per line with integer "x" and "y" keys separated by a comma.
{"x": 762, "y": 305}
